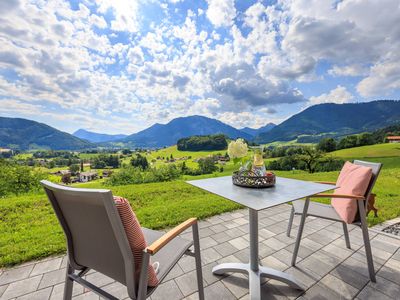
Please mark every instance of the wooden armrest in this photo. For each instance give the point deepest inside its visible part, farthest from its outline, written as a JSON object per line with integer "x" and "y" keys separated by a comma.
{"x": 168, "y": 236}
{"x": 326, "y": 182}
{"x": 355, "y": 197}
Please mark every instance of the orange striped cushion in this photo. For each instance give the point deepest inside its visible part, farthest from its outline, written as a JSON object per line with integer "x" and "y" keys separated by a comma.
{"x": 135, "y": 237}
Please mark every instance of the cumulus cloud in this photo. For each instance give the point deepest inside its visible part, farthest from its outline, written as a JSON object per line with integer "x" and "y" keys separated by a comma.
{"x": 338, "y": 95}
{"x": 221, "y": 12}
{"x": 113, "y": 60}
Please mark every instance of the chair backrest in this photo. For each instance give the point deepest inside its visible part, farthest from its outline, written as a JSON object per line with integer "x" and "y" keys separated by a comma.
{"x": 95, "y": 235}
{"x": 376, "y": 168}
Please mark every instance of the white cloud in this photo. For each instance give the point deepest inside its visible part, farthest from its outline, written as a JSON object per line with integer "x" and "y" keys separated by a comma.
{"x": 125, "y": 13}
{"x": 338, "y": 95}
{"x": 221, "y": 12}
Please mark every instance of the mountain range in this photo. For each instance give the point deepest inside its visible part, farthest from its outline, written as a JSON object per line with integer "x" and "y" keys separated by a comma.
{"x": 25, "y": 134}
{"x": 334, "y": 120}
{"x": 160, "y": 135}
{"x": 95, "y": 137}
{"x": 254, "y": 132}
{"x": 311, "y": 124}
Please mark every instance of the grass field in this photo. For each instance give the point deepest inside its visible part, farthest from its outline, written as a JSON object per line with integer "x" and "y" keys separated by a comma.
{"x": 378, "y": 150}
{"x": 30, "y": 230}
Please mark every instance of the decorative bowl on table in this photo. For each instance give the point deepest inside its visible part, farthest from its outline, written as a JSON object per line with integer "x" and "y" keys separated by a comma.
{"x": 253, "y": 180}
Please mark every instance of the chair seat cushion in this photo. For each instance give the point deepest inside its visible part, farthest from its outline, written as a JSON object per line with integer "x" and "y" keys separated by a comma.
{"x": 169, "y": 255}
{"x": 353, "y": 180}
{"x": 317, "y": 209}
{"x": 136, "y": 238}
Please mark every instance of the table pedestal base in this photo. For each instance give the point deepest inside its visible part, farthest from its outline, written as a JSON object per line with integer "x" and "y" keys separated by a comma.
{"x": 255, "y": 276}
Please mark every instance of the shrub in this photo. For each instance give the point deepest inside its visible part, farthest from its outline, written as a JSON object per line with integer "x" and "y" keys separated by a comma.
{"x": 202, "y": 143}
{"x": 140, "y": 162}
{"x": 207, "y": 165}
{"x": 327, "y": 145}
{"x": 17, "y": 179}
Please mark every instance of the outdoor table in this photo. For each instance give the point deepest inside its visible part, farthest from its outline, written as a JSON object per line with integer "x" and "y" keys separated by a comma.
{"x": 285, "y": 190}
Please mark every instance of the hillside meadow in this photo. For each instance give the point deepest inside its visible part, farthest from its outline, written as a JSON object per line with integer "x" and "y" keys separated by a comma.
{"x": 29, "y": 229}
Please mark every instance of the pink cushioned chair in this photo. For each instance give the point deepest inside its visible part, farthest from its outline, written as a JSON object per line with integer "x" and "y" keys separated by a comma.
{"x": 96, "y": 240}
{"x": 354, "y": 213}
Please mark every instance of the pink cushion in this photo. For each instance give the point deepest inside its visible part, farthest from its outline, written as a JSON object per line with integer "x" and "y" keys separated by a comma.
{"x": 353, "y": 180}
{"x": 135, "y": 236}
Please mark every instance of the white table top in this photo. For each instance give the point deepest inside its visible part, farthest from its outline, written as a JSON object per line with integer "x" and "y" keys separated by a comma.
{"x": 285, "y": 190}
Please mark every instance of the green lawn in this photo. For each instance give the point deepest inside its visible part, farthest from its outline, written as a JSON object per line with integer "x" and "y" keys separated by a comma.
{"x": 30, "y": 230}
{"x": 378, "y": 150}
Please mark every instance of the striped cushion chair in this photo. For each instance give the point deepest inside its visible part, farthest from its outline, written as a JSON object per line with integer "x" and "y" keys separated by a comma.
{"x": 136, "y": 238}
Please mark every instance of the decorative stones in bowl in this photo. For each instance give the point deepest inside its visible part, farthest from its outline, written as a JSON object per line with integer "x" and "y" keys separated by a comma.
{"x": 252, "y": 180}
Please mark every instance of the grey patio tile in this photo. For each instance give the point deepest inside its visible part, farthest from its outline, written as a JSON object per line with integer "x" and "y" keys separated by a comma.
{"x": 43, "y": 294}
{"x": 284, "y": 256}
{"x": 349, "y": 276}
{"x": 235, "y": 232}
{"x": 116, "y": 289}
{"x": 321, "y": 292}
{"x": 187, "y": 283}
{"x": 342, "y": 288}
{"x": 221, "y": 237}
{"x": 168, "y": 290}
{"x": 209, "y": 255}
{"x": 218, "y": 291}
{"x": 264, "y": 251}
{"x": 46, "y": 266}
{"x": 388, "y": 239}
{"x": 322, "y": 239}
{"x": 339, "y": 252}
{"x": 303, "y": 251}
{"x": 237, "y": 284}
{"x": 241, "y": 221}
{"x": 369, "y": 293}
{"x": 204, "y": 232}
{"x": 305, "y": 277}
{"x": 327, "y": 258}
{"x": 274, "y": 243}
{"x": 306, "y": 242}
{"x": 376, "y": 253}
{"x": 52, "y": 278}
{"x": 64, "y": 262}
{"x": 187, "y": 263}
{"x": 204, "y": 224}
{"x": 387, "y": 287}
{"x": 243, "y": 255}
{"x": 99, "y": 279}
{"x": 218, "y": 228}
{"x": 382, "y": 245}
{"x": 215, "y": 220}
{"x": 393, "y": 263}
{"x": 265, "y": 233}
{"x": 58, "y": 291}
{"x": 274, "y": 289}
{"x": 233, "y": 259}
{"x": 277, "y": 228}
{"x": 314, "y": 265}
{"x": 266, "y": 222}
{"x": 238, "y": 214}
{"x": 396, "y": 256}
{"x": 274, "y": 263}
{"x": 15, "y": 274}
{"x": 389, "y": 273}
{"x": 285, "y": 239}
{"x": 175, "y": 272}
{"x": 239, "y": 243}
{"x": 22, "y": 287}
{"x": 208, "y": 276}
{"x": 361, "y": 257}
{"x": 225, "y": 249}
{"x": 2, "y": 289}
{"x": 356, "y": 266}
{"x": 86, "y": 296}
{"x": 207, "y": 242}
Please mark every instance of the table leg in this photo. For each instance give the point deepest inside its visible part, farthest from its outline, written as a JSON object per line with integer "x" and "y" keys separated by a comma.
{"x": 253, "y": 268}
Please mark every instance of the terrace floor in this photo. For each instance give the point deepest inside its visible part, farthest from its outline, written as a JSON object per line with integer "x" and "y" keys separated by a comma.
{"x": 325, "y": 266}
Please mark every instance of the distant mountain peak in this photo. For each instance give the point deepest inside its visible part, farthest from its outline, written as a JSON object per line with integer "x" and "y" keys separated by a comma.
{"x": 256, "y": 131}
{"x": 95, "y": 137}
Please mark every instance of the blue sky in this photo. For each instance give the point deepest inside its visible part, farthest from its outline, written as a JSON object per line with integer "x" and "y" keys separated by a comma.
{"x": 119, "y": 66}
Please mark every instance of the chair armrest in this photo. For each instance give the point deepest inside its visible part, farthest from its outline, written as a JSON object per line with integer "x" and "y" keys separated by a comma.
{"x": 326, "y": 182}
{"x": 355, "y": 197}
{"x": 168, "y": 236}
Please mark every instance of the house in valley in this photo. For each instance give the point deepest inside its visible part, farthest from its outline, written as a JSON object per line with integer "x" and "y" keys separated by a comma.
{"x": 393, "y": 139}
{"x": 87, "y": 176}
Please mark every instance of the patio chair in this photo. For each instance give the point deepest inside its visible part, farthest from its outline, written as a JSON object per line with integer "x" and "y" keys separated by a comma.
{"x": 96, "y": 240}
{"x": 326, "y": 211}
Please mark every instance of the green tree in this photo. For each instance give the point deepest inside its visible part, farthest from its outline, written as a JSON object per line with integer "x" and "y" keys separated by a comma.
{"x": 310, "y": 157}
{"x": 74, "y": 169}
{"x": 207, "y": 165}
{"x": 365, "y": 139}
{"x": 327, "y": 145}
{"x": 349, "y": 141}
{"x": 140, "y": 162}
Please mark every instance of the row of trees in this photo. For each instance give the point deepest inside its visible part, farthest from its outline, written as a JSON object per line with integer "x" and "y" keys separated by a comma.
{"x": 203, "y": 143}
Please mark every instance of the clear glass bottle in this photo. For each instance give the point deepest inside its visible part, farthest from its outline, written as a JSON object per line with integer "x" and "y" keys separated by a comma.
{"x": 258, "y": 165}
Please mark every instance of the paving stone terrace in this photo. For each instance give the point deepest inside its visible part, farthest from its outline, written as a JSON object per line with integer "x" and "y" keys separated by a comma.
{"x": 325, "y": 266}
